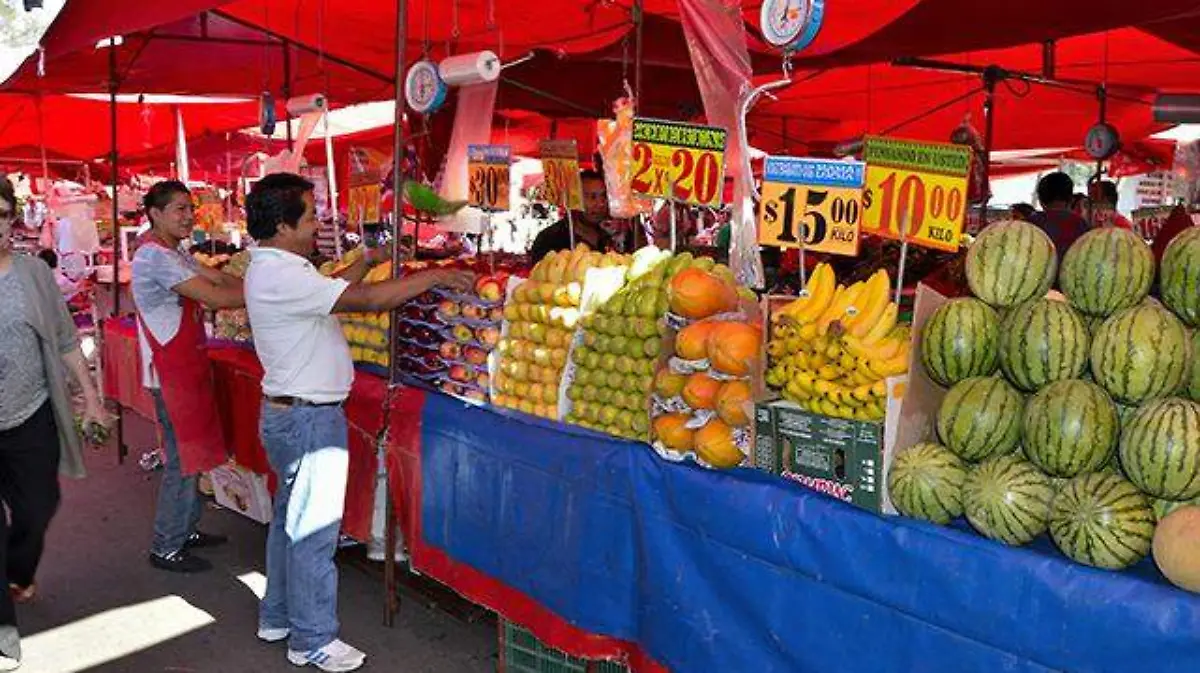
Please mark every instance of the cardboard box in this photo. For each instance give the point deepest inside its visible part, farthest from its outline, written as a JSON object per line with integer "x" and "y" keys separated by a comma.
{"x": 842, "y": 458}
{"x": 766, "y": 456}
{"x": 242, "y": 491}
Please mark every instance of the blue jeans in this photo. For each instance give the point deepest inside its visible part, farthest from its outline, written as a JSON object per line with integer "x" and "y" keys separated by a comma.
{"x": 307, "y": 450}
{"x": 179, "y": 504}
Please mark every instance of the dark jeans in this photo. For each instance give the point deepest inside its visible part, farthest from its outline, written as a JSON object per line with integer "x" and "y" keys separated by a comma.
{"x": 29, "y": 456}
{"x": 179, "y": 503}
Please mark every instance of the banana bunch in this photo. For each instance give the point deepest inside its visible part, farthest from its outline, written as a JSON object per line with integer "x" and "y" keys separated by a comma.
{"x": 831, "y": 349}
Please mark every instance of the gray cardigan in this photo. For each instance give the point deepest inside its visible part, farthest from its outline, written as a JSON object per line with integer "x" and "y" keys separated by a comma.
{"x": 56, "y": 332}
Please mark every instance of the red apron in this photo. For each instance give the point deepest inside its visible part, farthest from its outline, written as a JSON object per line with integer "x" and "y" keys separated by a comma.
{"x": 186, "y": 381}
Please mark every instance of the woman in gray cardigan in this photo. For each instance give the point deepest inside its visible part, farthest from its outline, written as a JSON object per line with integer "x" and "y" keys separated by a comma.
{"x": 38, "y": 347}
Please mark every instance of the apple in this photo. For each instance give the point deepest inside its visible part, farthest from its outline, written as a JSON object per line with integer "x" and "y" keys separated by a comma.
{"x": 558, "y": 357}
{"x": 608, "y": 415}
{"x": 651, "y": 348}
{"x": 615, "y": 380}
{"x": 623, "y": 364}
{"x": 450, "y": 350}
{"x": 476, "y": 395}
{"x": 449, "y": 387}
{"x": 483, "y": 380}
{"x": 475, "y": 356}
{"x": 550, "y": 395}
{"x": 618, "y": 345}
{"x": 488, "y": 336}
{"x": 593, "y": 360}
{"x": 497, "y": 314}
{"x": 460, "y": 373}
{"x": 473, "y": 312}
{"x": 463, "y": 333}
{"x": 644, "y": 368}
{"x": 489, "y": 289}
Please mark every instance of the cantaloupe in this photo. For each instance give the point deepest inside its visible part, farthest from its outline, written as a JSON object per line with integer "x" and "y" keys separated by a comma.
{"x": 1177, "y": 547}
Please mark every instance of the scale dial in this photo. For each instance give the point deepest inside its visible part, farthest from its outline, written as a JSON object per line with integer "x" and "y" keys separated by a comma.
{"x": 424, "y": 90}
{"x": 791, "y": 24}
{"x": 1102, "y": 141}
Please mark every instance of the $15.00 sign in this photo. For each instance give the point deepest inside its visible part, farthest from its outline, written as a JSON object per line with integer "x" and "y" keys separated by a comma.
{"x": 814, "y": 203}
{"x": 921, "y": 187}
{"x": 488, "y": 176}
{"x": 677, "y": 161}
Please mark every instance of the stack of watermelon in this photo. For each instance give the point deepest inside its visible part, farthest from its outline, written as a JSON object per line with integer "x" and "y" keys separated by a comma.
{"x": 1077, "y": 414}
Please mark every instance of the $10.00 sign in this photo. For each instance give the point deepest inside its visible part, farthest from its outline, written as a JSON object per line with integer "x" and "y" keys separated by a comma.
{"x": 814, "y": 203}
{"x": 677, "y": 161}
{"x": 919, "y": 186}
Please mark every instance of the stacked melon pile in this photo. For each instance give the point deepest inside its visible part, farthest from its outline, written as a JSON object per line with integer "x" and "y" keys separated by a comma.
{"x": 1068, "y": 416}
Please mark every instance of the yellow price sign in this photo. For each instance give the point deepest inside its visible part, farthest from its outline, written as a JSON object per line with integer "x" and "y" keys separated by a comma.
{"x": 488, "y": 176}
{"x": 560, "y": 166}
{"x": 677, "y": 161}
{"x": 918, "y": 187}
{"x": 362, "y": 204}
{"x": 811, "y": 203}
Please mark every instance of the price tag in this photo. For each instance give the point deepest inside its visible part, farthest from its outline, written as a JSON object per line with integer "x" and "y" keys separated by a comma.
{"x": 923, "y": 184}
{"x": 488, "y": 176}
{"x": 362, "y": 205}
{"x": 816, "y": 201}
{"x": 560, "y": 165}
{"x": 677, "y": 161}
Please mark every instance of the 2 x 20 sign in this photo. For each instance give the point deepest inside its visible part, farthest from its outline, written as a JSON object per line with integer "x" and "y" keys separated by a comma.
{"x": 488, "y": 176}
{"x": 916, "y": 190}
{"x": 678, "y": 161}
{"x": 811, "y": 203}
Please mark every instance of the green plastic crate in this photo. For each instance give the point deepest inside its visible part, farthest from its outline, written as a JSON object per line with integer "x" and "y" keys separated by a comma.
{"x": 521, "y": 652}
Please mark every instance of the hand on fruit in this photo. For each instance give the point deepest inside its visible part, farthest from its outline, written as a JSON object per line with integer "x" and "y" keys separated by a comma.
{"x": 455, "y": 279}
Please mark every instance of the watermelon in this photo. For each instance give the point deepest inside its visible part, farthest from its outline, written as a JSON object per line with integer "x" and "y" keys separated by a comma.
{"x": 1043, "y": 341}
{"x": 925, "y": 482}
{"x": 1179, "y": 276}
{"x": 1011, "y": 262}
{"x": 960, "y": 340}
{"x": 1102, "y": 520}
{"x": 1106, "y": 270}
{"x": 980, "y": 418}
{"x": 1140, "y": 354}
{"x": 1071, "y": 427}
{"x": 1162, "y": 507}
{"x": 1093, "y": 323}
{"x": 1007, "y": 498}
{"x": 1192, "y": 382}
{"x": 1160, "y": 448}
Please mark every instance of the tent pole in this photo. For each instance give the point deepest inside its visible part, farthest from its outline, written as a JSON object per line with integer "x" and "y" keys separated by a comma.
{"x": 42, "y": 145}
{"x": 116, "y": 221}
{"x": 990, "y": 77}
{"x": 639, "y": 15}
{"x": 399, "y": 143}
{"x": 287, "y": 90}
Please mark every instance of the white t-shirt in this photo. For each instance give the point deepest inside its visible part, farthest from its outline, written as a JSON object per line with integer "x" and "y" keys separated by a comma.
{"x": 156, "y": 273}
{"x": 298, "y": 340}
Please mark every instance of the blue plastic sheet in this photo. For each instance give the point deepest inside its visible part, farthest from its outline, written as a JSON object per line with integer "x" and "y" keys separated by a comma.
{"x": 741, "y": 572}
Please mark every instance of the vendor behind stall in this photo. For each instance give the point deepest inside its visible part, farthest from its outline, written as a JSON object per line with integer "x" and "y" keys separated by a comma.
{"x": 170, "y": 291}
{"x": 588, "y": 224}
{"x": 1056, "y": 193}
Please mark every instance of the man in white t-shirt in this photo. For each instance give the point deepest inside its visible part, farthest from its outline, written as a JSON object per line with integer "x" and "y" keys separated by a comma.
{"x": 307, "y": 375}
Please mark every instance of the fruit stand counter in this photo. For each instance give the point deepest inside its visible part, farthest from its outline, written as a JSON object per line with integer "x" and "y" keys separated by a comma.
{"x": 739, "y": 571}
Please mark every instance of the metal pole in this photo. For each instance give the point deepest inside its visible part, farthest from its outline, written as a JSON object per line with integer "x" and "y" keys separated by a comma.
{"x": 42, "y": 145}
{"x": 391, "y": 600}
{"x": 990, "y": 77}
{"x": 114, "y": 180}
{"x": 639, "y": 15}
{"x": 287, "y": 90}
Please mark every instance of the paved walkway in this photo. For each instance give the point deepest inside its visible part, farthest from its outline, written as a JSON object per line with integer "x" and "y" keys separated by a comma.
{"x": 102, "y": 608}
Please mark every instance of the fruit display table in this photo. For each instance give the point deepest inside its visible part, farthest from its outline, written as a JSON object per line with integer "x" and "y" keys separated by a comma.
{"x": 739, "y": 571}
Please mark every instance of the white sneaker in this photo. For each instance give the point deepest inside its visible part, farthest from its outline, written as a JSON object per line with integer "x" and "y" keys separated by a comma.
{"x": 7, "y": 663}
{"x": 268, "y": 635}
{"x": 335, "y": 657}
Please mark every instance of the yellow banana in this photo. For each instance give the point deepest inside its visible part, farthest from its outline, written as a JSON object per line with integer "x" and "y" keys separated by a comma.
{"x": 776, "y": 349}
{"x": 828, "y": 372}
{"x": 883, "y": 325}
{"x": 807, "y": 332}
{"x": 862, "y": 393}
{"x": 897, "y": 364}
{"x": 804, "y": 380}
{"x": 879, "y": 389}
{"x": 837, "y": 308}
{"x": 818, "y": 293}
{"x": 872, "y": 305}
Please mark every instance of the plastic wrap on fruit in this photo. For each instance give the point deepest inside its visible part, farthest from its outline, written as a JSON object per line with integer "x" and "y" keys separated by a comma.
{"x": 965, "y": 134}
{"x": 616, "y": 149}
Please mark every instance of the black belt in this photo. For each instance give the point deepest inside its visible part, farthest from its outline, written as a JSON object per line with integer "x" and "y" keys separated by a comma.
{"x": 286, "y": 401}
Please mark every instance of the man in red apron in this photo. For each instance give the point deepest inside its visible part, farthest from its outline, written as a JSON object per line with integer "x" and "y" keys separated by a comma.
{"x": 170, "y": 291}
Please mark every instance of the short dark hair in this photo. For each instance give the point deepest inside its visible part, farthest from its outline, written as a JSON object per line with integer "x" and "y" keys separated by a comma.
{"x": 49, "y": 257}
{"x": 159, "y": 195}
{"x": 590, "y": 174}
{"x": 276, "y": 199}
{"x": 1056, "y": 187}
{"x": 1024, "y": 211}
{"x": 7, "y": 193}
{"x": 1107, "y": 191}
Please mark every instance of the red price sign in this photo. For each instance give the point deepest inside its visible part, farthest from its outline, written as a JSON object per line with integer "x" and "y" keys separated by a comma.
{"x": 677, "y": 161}
{"x": 560, "y": 166}
{"x": 918, "y": 190}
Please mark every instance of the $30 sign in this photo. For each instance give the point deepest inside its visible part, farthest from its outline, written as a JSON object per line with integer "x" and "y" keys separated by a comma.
{"x": 916, "y": 187}
{"x": 677, "y": 161}
{"x": 488, "y": 176}
{"x": 811, "y": 203}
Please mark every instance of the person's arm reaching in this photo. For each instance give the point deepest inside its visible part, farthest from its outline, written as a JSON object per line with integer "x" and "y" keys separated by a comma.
{"x": 213, "y": 295}
{"x": 93, "y": 408}
{"x": 385, "y": 296}
{"x": 357, "y": 270}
